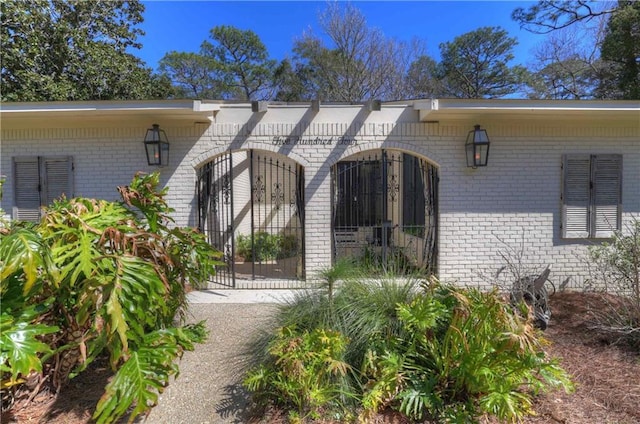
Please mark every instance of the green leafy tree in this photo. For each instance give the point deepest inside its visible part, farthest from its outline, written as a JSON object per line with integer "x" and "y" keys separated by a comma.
{"x": 245, "y": 67}
{"x": 476, "y": 65}
{"x": 192, "y": 74}
{"x": 425, "y": 79}
{"x": 621, "y": 50}
{"x": 100, "y": 278}
{"x": 74, "y": 50}
{"x": 294, "y": 82}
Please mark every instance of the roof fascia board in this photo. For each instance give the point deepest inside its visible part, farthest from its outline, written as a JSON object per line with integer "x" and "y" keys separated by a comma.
{"x": 429, "y": 108}
{"x": 193, "y": 105}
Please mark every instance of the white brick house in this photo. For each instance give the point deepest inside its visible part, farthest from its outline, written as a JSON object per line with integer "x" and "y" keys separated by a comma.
{"x": 561, "y": 175}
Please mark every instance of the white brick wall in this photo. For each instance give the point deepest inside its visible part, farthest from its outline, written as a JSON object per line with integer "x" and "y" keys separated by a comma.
{"x": 514, "y": 201}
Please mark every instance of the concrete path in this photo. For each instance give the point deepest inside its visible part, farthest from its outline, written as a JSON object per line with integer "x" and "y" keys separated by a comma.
{"x": 239, "y": 296}
{"x": 208, "y": 389}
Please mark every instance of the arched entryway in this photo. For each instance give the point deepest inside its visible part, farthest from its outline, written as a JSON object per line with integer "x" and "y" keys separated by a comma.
{"x": 251, "y": 208}
{"x": 385, "y": 209}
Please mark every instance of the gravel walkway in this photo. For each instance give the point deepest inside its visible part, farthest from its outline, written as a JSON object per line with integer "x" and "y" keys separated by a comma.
{"x": 208, "y": 389}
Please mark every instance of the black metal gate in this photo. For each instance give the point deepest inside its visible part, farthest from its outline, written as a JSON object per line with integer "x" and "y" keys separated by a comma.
{"x": 385, "y": 211}
{"x": 251, "y": 207}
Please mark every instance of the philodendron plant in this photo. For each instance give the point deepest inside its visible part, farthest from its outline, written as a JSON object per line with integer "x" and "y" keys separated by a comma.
{"x": 98, "y": 278}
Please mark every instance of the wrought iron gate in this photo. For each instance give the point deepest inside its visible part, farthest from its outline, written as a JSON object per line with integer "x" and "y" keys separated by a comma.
{"x": 251, "y": 207}
{"x": 385, "y": 211}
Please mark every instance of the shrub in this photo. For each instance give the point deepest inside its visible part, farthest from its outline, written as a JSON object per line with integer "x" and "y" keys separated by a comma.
{"x": 302, "y": 372}
{"x": 266, "y": 246}
{"x": 96, "y": 277}
{"x": 441, "y": 353}
{"x": 615, "y": 265}
{"x": 463, "y": 353}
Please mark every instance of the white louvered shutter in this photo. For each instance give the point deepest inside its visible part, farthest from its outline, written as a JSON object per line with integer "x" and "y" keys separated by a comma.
{"x": 26, "y": 189}
{"x": 575, "y": 196}
{"x": 56, "y": 178}
{"x": 606, "y": 195}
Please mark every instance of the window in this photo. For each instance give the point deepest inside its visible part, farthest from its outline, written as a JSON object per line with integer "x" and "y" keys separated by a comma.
{"x": 591, "y": 195}
{"x": 38, "y": 181}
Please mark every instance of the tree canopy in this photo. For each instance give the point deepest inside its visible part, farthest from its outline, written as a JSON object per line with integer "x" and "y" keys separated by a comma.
{"x": 234, "y": 65}
{"x": 360, "y": 64}
{"x": 621, "y": 50}
{"x": 74, "y": 50}
{"x": 82, "y": 50}
{"x": 476, "y": 65}
{"x": 617, "y": 70}
{"x": 550, "y": 15}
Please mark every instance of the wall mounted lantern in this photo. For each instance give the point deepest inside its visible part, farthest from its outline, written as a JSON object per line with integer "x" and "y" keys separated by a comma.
{"x": 477, "y": 147}
{"x": 157, "y": 146}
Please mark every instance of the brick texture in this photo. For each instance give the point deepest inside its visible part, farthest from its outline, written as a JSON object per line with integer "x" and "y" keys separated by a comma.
{"x": 512, "y": 205}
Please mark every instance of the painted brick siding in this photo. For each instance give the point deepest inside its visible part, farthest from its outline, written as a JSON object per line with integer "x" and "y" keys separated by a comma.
{"x": 514, "y": 202}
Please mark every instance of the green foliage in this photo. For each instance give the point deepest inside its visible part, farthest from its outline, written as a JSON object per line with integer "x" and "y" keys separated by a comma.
{"x": 615, "y": 265}
{"x": 266, "y": 246}
{"x": 146, "y": 372}
{"x": 621, "y": 50}
{"x": 74, "y": 50}
{"x": 475, "y": 65}
{"x": 396, "y": 262}
{"x": 243, "y": 60}
{"x": 235, "y": 65}
{"x": 446, "y": 354}
{"x": 463, "y": 353}
{"x": 108, "y": 278}
{"x": 20, "y": 347}
{"x": 192, "y": 74}
{"x": 303, "y": 372}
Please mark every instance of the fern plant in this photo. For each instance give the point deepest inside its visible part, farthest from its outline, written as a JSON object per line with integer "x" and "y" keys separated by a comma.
{"x": 303, "y": 371}
{"x": 464, "y": 353}
{"x": 110, "y": 277}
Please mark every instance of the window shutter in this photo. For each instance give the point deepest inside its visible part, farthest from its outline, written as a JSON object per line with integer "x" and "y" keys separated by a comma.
{"x": 575, "y": 196}
{"x": 606, "y": 194}
{"x": 57, "y": 178}
{"x": 26, "y": 189}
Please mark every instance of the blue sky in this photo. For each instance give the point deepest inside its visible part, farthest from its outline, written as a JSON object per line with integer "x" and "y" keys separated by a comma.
{"x": 184, "y": 25}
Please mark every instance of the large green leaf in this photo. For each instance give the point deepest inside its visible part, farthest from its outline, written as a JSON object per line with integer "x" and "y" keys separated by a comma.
{"x": 21, "y": 251}
{"x": 146, "y": 373}
{"x": 20, "y": 349}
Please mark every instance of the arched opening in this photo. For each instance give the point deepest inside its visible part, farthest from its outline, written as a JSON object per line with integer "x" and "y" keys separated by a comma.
{"x": 385, "y": 209}
{"x": 251, "y": 207}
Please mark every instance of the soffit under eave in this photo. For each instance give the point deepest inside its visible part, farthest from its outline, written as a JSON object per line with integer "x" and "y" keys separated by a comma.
{"x": 102, "y": 118}
{"x": 555, "y": 115}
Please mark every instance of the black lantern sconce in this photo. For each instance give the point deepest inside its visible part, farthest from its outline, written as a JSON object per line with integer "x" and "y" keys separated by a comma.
{"x": 477, "y": 147}
{"x": 157, "y": 146}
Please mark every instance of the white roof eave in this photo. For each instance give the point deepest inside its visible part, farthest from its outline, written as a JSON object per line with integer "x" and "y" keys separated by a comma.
{"x": 190, "y": 110}
{"x": 435, "y": 109}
